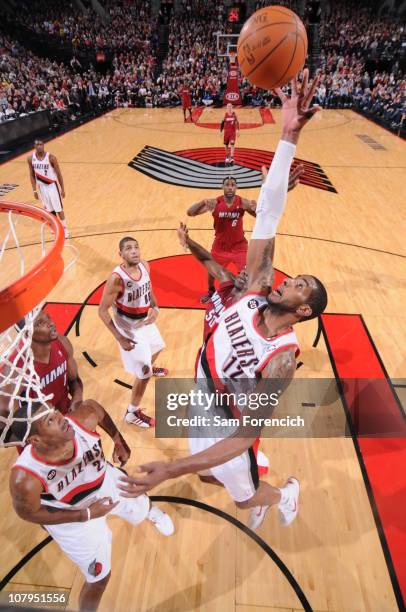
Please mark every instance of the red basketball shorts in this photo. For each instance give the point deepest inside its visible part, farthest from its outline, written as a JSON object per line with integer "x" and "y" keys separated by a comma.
{"x": 229, "y": 138}
{"x": 225, "y": 258}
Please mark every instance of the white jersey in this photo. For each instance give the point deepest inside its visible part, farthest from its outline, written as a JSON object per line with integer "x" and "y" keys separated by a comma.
{"x": 237, "y": 349}
{"x": 134, "y": 300}
{"x": 43, "y": 170}
{"x": 74, "y": 482}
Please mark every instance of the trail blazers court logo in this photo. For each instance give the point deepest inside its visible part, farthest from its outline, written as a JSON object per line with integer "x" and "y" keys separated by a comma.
{"x": 205, "y": 169}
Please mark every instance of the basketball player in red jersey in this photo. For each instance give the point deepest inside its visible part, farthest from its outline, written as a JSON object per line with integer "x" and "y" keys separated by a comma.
{"x": 231, "y": 128}
{"x": 230, "y": 288}
{"x": 55, "y": 364}
{"x": 45, "y": 174}
{"x": 129, "y": 292}
{"x": 230, "y": 245}
{"x": 186, "y": 101}
{"x": 254, "y": 347}
{"x": 63, "y": 482}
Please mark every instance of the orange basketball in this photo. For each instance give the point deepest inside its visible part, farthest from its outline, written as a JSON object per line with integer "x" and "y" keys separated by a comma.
{"x": 272, "y": 47}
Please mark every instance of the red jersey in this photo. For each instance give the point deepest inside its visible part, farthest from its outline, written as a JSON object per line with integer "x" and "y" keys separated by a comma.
{"x": 228, "y": 227}
{"x": 219, "y": 301}
{"x": 230, "y": 124}
{"x": 185, "y": 95}
{"x": 54, "y": 376}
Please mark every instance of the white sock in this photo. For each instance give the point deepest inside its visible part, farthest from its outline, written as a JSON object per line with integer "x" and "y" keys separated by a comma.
{"x": 63, "y": 222}
{"x": 132, "y": 408}
{"x": 284, "y": 495}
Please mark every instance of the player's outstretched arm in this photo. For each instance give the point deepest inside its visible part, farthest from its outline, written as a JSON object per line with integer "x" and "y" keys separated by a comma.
{"x": 295, "y": 173}
{"x": 91, "y": 415}
{"x": 202, "y": 255}
{"x": 296, "y": 112}
{"x": 275, "y": 377}
{"x": 201, "y": 207}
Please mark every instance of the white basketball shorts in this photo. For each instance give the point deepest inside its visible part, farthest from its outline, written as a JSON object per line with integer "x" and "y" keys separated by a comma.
{"x": 148, "y": 341}
{"x": 88, "y": 544}
{"x": 239, "y": 475}
{"x": 50, "y": 197}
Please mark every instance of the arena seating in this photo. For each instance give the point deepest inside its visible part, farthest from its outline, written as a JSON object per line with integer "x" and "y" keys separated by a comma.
{"x": 141, "y": 59}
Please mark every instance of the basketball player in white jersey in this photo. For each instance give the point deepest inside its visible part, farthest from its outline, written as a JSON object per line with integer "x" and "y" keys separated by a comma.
{"x": 129, "y": 293}
{"x": 253, "y": 347}
{"x": 45, "y": 174}
{"x": 63, "y": 482}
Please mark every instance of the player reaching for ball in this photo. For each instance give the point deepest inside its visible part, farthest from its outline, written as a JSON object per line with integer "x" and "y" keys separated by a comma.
{"x": 253, "y": 348}
{"x": 63, "y": 482}
{"x": 231, "y": 128}
{"x": 230, "y": 245}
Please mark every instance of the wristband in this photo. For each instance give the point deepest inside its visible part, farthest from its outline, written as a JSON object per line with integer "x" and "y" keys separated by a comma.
{"x": 89, "y": 516}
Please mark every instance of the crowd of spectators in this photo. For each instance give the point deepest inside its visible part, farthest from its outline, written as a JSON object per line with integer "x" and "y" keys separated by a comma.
{"x": 359, "y": 63}
{"x": 192, "y": 52}
{"x": 125, "y": 25}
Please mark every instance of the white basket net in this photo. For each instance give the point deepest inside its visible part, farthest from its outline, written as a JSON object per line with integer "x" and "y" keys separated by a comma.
{"x": 20, "y": 385}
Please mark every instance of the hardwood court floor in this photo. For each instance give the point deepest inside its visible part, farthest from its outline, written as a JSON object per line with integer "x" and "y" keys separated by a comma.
{"x": 354, "y": 241}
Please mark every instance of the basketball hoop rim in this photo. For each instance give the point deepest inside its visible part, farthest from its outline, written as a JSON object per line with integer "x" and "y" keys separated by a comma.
{"x": 21, "y": 296}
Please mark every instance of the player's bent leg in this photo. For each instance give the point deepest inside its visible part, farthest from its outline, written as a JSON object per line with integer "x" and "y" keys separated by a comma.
{"x": 240, "y": 477}
{"x": 88, "y": 545}
{"x": 138, "y": 362}
{"x": 266, "y": 496}
{"x": 91, "y": 594}
{"x": 134, "y": 414}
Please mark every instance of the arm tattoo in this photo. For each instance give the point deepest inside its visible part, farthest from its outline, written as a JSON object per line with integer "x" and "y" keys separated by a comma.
{"x": 266, "y": 256}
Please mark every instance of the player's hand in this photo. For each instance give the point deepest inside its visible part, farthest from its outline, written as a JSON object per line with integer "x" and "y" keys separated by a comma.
{"x": 294, "y": 176}
{"x": 153, "y": 474}
{"x": 296, "y": 110}
{"x": 101, "y": 507}
{"x": 125, "y": 343}
{"x": 122, "y": 452}
{"x": 183, "y": 235}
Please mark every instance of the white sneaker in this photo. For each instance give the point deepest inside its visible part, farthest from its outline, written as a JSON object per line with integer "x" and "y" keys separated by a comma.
{"x": 288, "y": 510}
{"x": 161, "y": 521}
{"x": 140, "y": 419}
{"x": 257, "y": 515}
